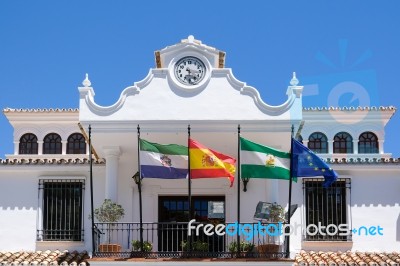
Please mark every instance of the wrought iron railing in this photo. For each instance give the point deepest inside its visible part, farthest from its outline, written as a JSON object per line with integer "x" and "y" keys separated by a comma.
{"x": 171, "y": 240}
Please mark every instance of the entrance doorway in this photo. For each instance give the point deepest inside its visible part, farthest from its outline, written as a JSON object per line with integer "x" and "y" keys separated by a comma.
{"x": 173, "y": 216}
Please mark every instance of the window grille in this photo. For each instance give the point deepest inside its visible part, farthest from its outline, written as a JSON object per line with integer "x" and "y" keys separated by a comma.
{"x": 52, "y": 144}
{"x": 62, "y": 209}
{"x": 76, "y": 144}
{"x": 343, "y": 143}
{"x": 28, "y": 144}
{"x": 318, "y": 142}
{"x": 368, "y": 143}
{"x": 326, "y": 206}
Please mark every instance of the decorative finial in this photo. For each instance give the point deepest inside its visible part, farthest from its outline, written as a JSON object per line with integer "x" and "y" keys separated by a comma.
{"x": 190, "y": 38}
{"x": 86, "y": 82}
{"x": 294, "y": 81}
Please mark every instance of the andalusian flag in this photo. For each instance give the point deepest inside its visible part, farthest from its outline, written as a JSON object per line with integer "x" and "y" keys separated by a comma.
{"x": 258, "y": 161}
{"x": 163, "y": 161}
{"x": 207, "y": 163}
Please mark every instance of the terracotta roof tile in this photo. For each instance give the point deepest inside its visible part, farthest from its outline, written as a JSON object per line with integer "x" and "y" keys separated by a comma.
{"x": 351, "y": 108}
{"x": 44, "y": 258}
{"x": 376, "y": 160}
{"x": 41, "y": 110}
{"x": 312, "y": 258}
{"x": 49, "y": 161}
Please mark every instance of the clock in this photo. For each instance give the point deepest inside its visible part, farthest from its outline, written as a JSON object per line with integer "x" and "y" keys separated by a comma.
{"x": 190, "y": 70}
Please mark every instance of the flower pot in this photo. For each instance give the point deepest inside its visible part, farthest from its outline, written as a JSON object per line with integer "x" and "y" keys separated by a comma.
{"x": 110, "y": 248}
{"x": 268, "y": 248}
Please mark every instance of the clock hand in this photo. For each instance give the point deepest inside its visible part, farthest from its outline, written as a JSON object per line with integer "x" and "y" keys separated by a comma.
{"x": 190, "y": 70}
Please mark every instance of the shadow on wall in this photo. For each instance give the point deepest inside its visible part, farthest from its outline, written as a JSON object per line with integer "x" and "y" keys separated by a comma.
{"x": 398, "y": 229}
{"x": 18, "y": 192}
{"x": 383, "y": 188}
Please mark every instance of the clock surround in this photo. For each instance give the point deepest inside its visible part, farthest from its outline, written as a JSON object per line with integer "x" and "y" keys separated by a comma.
{"x": 189, "y": 70}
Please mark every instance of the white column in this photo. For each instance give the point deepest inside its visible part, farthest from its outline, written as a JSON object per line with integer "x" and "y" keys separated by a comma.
{"x": 330, "y": 146}
{"x": 305, "y": 142}
{"x": 355, "y": 146}
{"x": 272, "y": 190}
{"x": 87, "y": 148}
{"x": 112, "y": 156}
{"x": 64, "y": 147}
{"x": 40, "y": 147}
{"x": 380, "y": 142}
{"x": 16, "y": 147}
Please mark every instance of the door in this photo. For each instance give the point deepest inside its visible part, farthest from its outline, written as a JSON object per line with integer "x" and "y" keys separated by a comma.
{"x": 174, "y": 217}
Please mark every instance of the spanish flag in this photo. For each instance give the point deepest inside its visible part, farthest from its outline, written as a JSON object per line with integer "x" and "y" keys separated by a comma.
{"x": 206, "y": 163}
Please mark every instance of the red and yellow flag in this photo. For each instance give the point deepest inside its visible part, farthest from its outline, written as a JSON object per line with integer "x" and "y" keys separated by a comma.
{"x": 206, "y": 163}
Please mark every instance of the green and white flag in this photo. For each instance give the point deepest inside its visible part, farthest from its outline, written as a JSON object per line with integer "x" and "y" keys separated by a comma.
{"x": 258, "y": 161}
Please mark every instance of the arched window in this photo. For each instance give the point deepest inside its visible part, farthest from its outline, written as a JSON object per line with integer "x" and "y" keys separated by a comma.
{"x": 343, "y": 143}
{"x": 28, "y": 144}
{"x": 318, "y": 142}
{"x": 368, "y": 143}
{"x": 52, "y": 144}
{"x": 76, "y": 144}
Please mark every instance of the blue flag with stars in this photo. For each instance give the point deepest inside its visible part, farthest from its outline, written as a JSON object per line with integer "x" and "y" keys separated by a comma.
{"x": 305, "y": 163}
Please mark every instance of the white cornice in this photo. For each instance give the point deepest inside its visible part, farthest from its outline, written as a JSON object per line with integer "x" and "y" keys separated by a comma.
{"x": 190, "y": 42}
{"x": 196, "y": 126}
{"x": 293, "y": 92}
{"x": 41, "y": 116}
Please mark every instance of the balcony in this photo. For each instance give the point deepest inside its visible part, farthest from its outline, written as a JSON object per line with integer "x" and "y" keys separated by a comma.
{"x": 171, "y": 240}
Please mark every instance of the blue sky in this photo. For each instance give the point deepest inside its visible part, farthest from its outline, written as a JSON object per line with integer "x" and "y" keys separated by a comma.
{"x": 46, "y": 47}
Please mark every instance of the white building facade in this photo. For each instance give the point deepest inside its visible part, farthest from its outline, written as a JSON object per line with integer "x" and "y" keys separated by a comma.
{"x": 45, "y": 184}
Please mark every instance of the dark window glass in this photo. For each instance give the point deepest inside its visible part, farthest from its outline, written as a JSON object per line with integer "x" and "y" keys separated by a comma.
{"x": 76, "y": 144}
{"x": 368, "y": 143}
{"x": 326, "y": 206}
{"x": 343, "y": 143}
{"x": 62, "y": 210}
{"x": 52, "y": 144}
{"x": 318, "y": 142}
{"x": 28, "y": 144}
{"x": 174, "y": 216}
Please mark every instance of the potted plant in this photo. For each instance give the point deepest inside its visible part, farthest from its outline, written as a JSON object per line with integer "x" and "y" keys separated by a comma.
{"x": 245, "y": 248}
{"x": 276, "y": 215}
{"x": 136, "y": 253}
{"x": 109, "y": 212}
{"x": 147, "y": 246}
{"x": 198, "y": 248}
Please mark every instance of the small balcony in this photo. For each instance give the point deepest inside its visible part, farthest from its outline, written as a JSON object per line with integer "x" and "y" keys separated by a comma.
{"x": 262, "y": 241}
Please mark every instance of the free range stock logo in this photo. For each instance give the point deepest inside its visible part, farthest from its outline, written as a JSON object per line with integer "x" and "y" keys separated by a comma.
{"x": 251, "y": 230}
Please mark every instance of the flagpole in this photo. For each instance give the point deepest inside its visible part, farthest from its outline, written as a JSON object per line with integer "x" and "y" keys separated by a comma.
{"x": 139, "y": 184}
{"x": 290, "y": 192}
{"x": 91, "y": 189}
{"x": 189, "y": 189}
{"x": 238, "y": 193}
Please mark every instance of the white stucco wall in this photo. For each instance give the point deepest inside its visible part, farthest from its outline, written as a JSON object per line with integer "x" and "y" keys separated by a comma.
{"x": 20, "y": 207}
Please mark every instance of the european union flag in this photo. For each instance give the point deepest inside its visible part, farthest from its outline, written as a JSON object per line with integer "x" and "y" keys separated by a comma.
{"x": 305, "y": 163}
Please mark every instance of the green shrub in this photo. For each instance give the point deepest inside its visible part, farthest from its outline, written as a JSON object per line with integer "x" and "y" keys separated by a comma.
{"x": 197, "y": 245}
{"x": 244, "y": 246}
{"x": 147, "y": 246}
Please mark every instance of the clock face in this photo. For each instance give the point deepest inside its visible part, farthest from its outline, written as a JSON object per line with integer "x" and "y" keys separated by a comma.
{"x": 190, "y": 70}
